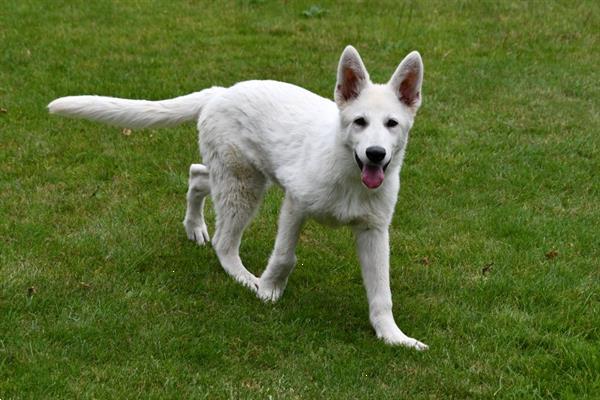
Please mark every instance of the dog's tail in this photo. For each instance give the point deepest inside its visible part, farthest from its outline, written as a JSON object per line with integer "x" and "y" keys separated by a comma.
{"x": 135, "y": 113}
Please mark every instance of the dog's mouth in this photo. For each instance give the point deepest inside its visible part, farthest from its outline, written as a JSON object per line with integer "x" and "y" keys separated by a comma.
{"x": 372, "y": 175}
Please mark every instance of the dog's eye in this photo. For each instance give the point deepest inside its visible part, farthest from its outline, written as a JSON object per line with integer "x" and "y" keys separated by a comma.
{"x": 360, "y": 122}
{"x": 390, "y": 123}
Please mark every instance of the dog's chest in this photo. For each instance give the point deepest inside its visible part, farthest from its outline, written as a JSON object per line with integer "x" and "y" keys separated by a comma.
{"x": 344, "y": 207}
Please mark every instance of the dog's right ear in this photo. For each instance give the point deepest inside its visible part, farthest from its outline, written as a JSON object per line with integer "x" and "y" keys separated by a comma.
{"x": 352, "y": 77}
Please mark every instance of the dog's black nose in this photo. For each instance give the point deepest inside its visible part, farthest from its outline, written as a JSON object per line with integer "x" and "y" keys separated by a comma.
{"x": 375, "y": 153}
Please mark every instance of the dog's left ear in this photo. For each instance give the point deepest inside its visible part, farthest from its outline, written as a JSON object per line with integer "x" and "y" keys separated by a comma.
{"x": 352, "y": 77}
{"x": 406, "y": 81}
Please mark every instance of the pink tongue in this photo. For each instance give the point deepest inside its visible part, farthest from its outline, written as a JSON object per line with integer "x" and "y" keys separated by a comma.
{"x": 372, "y": 176}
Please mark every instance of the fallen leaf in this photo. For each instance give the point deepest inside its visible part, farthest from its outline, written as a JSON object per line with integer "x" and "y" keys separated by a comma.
{"x": 95, "y": 191}
{"x": 31, "y": 291}
{"x": 249, "y": 384}
{"x": 425, "y": 261}
{"x": 126, "y": 131}
{"x": 487, "y": 268}
{"x": 552, "y": 254}
{"x": 3, "y": 110}
{"x": 85, "y": 285}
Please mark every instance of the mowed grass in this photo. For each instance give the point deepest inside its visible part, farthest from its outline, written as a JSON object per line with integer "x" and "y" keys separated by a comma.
{"x": 495, "y": 240}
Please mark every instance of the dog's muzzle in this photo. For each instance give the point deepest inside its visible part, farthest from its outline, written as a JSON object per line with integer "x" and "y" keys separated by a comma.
{"x": 372, "y": 174}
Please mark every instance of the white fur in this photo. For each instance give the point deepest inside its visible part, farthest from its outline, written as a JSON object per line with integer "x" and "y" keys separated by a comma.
{"x": 134, "y": 113}
{"x": 257, "y": 132}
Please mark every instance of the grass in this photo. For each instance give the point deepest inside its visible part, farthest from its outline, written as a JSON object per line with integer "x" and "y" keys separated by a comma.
{"x": 495, "y": 241}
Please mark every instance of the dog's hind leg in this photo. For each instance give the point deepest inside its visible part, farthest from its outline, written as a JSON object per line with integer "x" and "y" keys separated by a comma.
{"x": 283, "y": 259}
{"x": 198, "y": 189}
{"x": 236, "y": 199}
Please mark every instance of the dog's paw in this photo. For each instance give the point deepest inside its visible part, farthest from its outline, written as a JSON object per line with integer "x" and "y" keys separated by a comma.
{"x": 388, "y": 331}
{"x": 403, "y": 340}
{"x": 248, "y": 280}
{"x": 269, "y": 291}
{"x": 411, "y": 344}
{"x": 197, "y": 232}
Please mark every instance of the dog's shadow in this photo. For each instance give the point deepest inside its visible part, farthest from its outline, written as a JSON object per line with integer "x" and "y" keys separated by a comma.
{"x": 324, "y": 295}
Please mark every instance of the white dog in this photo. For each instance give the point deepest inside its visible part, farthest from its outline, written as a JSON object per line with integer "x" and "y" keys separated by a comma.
{"x": 338, "y": 162}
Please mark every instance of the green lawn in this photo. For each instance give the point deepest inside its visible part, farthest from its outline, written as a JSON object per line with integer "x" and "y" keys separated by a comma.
{"x": 495, "y": 240}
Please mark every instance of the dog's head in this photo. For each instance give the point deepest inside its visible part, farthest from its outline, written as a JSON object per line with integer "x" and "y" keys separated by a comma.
{"x": 375, "y": 118}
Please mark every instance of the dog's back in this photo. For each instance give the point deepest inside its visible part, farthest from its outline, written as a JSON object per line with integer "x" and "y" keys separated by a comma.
{"x": 279, "y": 128}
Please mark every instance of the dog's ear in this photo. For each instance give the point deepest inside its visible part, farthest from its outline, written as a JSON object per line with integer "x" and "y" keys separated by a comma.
{"x": 406, "y": 81}
{"x": 352, "y": 76}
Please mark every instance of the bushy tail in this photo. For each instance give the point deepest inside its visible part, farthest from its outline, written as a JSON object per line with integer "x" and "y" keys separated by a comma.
{"x": 134, "y": 113}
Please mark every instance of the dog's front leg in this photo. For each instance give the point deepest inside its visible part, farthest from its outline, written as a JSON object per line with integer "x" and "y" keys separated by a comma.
{"x": 374, "y": 253}
{"x": 283, "y": 259}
